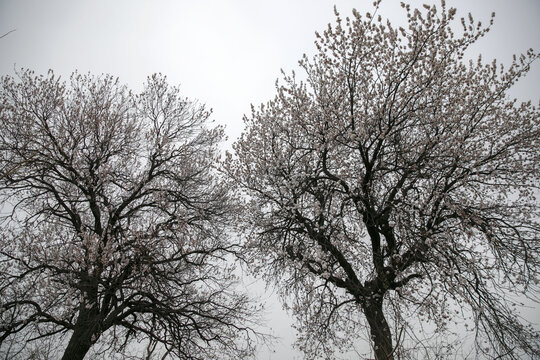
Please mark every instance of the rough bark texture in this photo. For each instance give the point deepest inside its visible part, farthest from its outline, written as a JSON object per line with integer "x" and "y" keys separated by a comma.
{"x": 84, "y": 335}
{"x": 379, "y": 329}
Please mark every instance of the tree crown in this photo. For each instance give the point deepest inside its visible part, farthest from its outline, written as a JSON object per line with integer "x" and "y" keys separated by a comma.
{"x": 396, "y": 171}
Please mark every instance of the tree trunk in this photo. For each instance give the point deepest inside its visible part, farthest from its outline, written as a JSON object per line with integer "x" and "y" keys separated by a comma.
{"x": 380, "y": 331}
{"x": 84, "y": 335}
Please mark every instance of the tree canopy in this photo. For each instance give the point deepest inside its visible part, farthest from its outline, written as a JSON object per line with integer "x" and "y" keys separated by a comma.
{"x": 116, "y": 226}
{"x": 396, "y": 180}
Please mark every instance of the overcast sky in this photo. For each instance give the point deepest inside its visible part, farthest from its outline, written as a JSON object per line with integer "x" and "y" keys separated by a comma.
{"x": 225, "y": 53}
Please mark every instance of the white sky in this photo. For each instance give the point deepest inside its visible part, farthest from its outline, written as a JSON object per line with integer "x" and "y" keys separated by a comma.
{"x": 225, "y": 53}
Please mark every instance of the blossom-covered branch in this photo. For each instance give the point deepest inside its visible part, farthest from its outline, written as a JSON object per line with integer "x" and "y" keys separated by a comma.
{"x": 396, "y": 175}
{"x": 117, "y": 225}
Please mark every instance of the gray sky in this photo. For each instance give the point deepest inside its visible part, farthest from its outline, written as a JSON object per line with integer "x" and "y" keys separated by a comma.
{"x": 225, "y": 53}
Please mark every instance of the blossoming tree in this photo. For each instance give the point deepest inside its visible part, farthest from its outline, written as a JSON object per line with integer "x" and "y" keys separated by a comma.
{"x": 396, "y": 176}
{"x": 115, "y": 231}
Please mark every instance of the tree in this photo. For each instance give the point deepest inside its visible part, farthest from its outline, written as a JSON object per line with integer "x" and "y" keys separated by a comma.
{"x": 396, "y": 178}
{"x": 116, "y": 231}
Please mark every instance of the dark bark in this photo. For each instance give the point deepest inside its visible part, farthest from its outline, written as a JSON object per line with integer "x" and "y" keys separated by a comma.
{"x": 85, "y": 334}
{"x": 379, "y": 329}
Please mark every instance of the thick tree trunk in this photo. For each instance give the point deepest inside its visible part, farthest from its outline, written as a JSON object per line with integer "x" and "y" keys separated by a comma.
{"x": 380, "y": 331}
{"x": 84, "y": 335}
